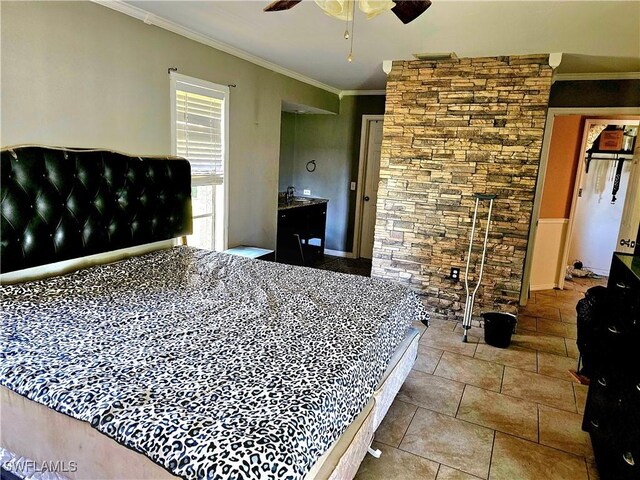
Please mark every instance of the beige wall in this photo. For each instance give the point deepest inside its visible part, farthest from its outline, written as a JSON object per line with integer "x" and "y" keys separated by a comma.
{"x": 79, "y": 74}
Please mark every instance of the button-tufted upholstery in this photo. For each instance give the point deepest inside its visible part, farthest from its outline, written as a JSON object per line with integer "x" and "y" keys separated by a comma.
{"x": 61, "y": 204}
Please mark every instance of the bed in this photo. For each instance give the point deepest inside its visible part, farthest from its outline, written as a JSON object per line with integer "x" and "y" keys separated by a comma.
{"x": 180, "y": 362}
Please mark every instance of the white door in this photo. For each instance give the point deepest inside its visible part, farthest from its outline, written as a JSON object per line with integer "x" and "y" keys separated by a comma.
{"x": 370, "y": 195}
{"x": 597, "y": 220}
{"x": 631, "y": 212}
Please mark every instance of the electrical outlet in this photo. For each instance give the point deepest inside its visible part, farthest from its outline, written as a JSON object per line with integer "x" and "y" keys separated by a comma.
{"x": 353, "y": 186}
{"x": 306, "y": 192}
{"x": 455, "y": 274}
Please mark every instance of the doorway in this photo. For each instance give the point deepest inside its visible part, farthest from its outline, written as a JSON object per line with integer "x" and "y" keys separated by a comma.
{"x": 588, "y": 202}
{"x": 604, "y": 194}
{"x": 367, "y": 186}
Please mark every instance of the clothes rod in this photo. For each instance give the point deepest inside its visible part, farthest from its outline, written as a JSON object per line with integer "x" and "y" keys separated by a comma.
{"x": 590, "y": 159}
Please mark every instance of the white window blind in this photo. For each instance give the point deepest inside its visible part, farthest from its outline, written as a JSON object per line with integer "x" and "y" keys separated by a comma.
{"x": 199, "y": 127}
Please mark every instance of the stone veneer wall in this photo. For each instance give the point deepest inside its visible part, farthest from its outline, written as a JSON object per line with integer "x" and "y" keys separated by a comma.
{"x": 453, "y": 128}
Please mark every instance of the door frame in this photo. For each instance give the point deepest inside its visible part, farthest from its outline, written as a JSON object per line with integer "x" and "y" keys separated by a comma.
{"x": 580, "y": 173}
{"x": 542, "y": 170}
{"x": 362, "y": 168}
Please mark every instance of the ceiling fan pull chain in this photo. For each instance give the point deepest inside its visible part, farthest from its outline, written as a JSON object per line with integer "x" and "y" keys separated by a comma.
{"x": 346, "y": 31}
{"x": 353, "y": 22}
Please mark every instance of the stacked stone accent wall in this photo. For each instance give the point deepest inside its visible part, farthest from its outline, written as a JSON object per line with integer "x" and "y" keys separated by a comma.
{"x": 453, "y": 128}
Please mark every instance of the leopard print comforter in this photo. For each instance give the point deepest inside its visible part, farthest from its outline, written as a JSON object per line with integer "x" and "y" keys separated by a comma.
{"x": 214, "y": 366}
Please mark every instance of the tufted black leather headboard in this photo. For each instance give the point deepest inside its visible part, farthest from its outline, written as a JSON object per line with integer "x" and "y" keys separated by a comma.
{"x": 60, "y": 204}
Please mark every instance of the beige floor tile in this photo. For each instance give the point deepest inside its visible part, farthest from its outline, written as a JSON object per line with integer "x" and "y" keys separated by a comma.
{"x": 580, "y": 392}
{"x": 551, "y": 327}
{"x": 572, "y": 348}
{"x": 500, "y": 412}
{"x": 471, "y": 371}
{"x": 546, "y": 293}
{"x": 572, "y": 331}
{"x": 476, "y": 332}
{"x": 446, "y": 325}
{"x": 517, "y": 459}
{"x": 569, "y": 287}
{"x": 568, "y": 307}
{"x": 554, "y": 327}
{"x": 449, "y": 341}
{"x": 396, "y": 464}
{"x": 549, "y": 301}
{"x": 556, "y": 365}
{"x": 563, "y": 430}
{"x": 395, "y": 423}
{"x": 447, "y": 440}
{"x": 525, "y": 322}
{"x": 522, "y": 358}
{"x": 593, "y": 470}
{"x": 427, "y": 359}
{"x": 448, "y": 473}
{"x": 569, "y": 318}
{"x": 538, "y": 388}
{"x": 541, "y": 311}
{"x": 539, "y": 341}
{"x": 435, "y": 393}
{"x": 569, "y": 295}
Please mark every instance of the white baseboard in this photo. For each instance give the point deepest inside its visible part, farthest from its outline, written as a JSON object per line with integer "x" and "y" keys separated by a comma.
{"x": 548, "y": 286}
{"x": 338, "y": 253}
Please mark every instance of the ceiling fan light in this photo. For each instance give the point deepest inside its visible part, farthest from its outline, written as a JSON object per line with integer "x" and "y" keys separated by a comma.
{"x": 375, "y": 7}
{"x": 340, "y": 9}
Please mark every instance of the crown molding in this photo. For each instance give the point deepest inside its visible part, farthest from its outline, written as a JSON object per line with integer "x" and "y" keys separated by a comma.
{"x": 565, "y": 77}
{"x": 151, "y": 19}
{"x": 347, "y": 93}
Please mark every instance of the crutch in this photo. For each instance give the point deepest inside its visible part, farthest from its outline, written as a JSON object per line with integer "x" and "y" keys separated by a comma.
{"x": 468, "y": 306}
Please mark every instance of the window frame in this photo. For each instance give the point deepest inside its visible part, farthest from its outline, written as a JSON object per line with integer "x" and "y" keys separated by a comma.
{"x": 221, "y": 200}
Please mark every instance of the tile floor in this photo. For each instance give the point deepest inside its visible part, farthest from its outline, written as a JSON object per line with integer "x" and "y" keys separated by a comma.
{"x": 470, "y": 411}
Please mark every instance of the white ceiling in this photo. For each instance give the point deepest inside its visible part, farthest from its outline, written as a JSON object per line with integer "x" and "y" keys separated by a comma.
{"x": 595, "y": 36}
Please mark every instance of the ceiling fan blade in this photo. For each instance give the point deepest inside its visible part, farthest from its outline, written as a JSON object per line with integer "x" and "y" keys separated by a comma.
{"x": 279, "y": 5}
{"x": 408, "y": 10}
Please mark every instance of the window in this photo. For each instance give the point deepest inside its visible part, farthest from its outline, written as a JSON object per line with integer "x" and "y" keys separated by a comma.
{"x": 199, "y": 133}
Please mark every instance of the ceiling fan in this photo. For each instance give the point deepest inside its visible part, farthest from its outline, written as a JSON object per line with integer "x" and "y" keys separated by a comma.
{"x": 406, "y": 10}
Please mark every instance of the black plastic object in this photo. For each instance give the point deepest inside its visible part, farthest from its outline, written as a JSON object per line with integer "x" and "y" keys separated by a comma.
{"x": 589, "y": 310}
{"x": 498, "y": 328}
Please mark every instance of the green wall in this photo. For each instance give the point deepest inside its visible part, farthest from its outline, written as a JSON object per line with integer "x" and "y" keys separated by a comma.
{"x": 333, "y": 141}
{"x": 287, "y": 147}
{"x": 595, "y": 93}
{"x": 80, "y": 74}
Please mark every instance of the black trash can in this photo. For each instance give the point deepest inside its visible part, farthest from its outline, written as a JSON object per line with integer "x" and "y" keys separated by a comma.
{"x": 498, "y": 328}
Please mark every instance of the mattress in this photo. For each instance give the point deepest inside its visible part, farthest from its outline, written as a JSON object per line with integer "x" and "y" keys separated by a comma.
{"x": 80, "y": 451}
{"x": 211, "y": 365}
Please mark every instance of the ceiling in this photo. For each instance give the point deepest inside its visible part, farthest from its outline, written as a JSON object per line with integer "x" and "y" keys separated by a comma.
{"x": 595, "y": 36}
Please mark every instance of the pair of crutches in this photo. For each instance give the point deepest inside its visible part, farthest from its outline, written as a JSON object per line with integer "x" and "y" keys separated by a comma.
{"x": 471, "y": 295}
